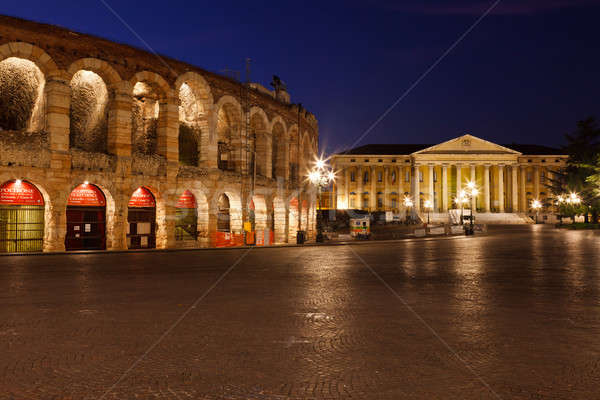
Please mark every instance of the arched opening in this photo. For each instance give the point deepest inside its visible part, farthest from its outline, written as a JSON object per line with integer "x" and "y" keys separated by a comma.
{"x": 186, "y": 217}
{"x": 89, "y": 112}
{"x": 86, "y": 219}
{"x": 306, "y": 158}
{"x": 21, "y": 95}
{"x": 141, "y": 219}
{"x": 294, "y": 160}
{"x": 144, "y": 118}
{"x": 278, "y": 218}
{"x": 258, "y": 145}
{"x": 21, "y": 217}
{"x": 227, "y": 135}
{"x": 278, "y": 151}
{"x": 223, "y": 214}
{"x": 190, "y": 110}
{"x": 293, "y": 220}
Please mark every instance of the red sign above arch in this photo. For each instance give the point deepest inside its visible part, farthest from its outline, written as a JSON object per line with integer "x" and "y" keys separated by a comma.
{"x": 186, "y": 200}
{"x": 87, "y": 195}
{"x": 20, "y": 193}
{"x": 142, "y": 198}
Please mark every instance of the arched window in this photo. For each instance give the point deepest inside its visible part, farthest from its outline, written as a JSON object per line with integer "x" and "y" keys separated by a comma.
{"x": 223, "y": 214}
{"x": 188, "y": 146}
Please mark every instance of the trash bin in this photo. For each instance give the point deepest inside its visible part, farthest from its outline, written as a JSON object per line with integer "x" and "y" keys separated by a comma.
{"x": 300, "y": 237}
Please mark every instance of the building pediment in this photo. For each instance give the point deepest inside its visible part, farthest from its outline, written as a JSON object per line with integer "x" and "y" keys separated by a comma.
{"x": 467, "y": 144}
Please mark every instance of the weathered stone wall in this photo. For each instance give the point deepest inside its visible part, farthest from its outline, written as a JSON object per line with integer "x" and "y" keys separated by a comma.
{"x": 112, "y": 115}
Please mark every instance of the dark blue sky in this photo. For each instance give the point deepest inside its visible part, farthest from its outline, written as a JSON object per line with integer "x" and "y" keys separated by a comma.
{"x": 525, "y": 74}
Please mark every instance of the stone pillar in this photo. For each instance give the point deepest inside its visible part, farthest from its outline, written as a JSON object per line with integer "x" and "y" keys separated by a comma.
{"x": 417, "y": 188}
{"x": 486, "y": 188}
{"x": 119, "y": 120}
{"x": 56, "y": 223}
{"x": 400, "y": 186}
{"x": 165, "y": 221}
{"x": 445, "y": 188}
{"x": 386, "y": 191}
{"x": 168, "y": 128}
{"x": 430, "y": 189}
{"x": 523, "y": 190}
{"x": 536, "y": 182}
{"x": 359, "y": 192}
{"x": 58, "y": 124}
{"x": 501, "y": 188}
{"x": 373, "y": 191}
{"x": 474, "y": 180}
{"x": 515, "y": 188}
{"x": 347, "y": 173}
{"x": 458, "y": 179}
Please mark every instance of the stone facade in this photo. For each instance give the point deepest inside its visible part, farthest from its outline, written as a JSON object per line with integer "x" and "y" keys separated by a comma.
{"x": 116, "y": 116}
{"x": 380, "y": 177}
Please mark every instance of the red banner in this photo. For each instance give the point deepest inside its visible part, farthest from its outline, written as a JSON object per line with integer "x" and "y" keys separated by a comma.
{"x": 20, "y": 193}
{"x": 294, "y": 203}
{"x": 86, "y": 195}
{"x": 142, "y": 198}
{"x": 186, "y": 200}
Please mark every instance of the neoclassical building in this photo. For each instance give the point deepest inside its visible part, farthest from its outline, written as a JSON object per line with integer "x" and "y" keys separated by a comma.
{"x": 105, "y": 146}
{"x": 508, "y": 177}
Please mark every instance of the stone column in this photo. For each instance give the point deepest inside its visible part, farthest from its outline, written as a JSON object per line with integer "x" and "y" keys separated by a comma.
{"x": 119, "y": 120}
{"x": 430, "y": 189}
{"x": 458, "y": 179}
{"x": 474, "y": 180}
{"x": 400, "y": 185}
{"x": 416, "y": 188}
{"x": 168, "y": 133}
{"x": 523, "y": 190}
{"x": 501, "y": 188}
{"x": 486, "y": 187}
{"x": 347, "y": 173}
{"x": 373, "y": 191}
{"x": 536, "y": 182}
{"x": 58, "y": 124}
{"x": 386, "y": 191}
{"x": 445, "y": 188}
{"x": 359, "y": 183}
{"x": 515, "y": 188}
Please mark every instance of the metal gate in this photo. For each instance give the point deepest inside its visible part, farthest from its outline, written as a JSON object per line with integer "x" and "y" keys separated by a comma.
{"x": 21, "y": 229}
{"x": 141, "y": 232}
{"x": 186, "y": 224}
{"x": 86, "y": 228}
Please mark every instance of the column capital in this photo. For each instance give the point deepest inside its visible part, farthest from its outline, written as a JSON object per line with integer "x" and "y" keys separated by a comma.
{"x": 487, "y": 166}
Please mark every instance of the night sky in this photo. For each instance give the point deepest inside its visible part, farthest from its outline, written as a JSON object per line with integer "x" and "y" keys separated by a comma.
{"x": 525, "y": 74}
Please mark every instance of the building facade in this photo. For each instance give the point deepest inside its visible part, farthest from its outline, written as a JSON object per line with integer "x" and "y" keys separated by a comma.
{"x": 508, "y": 178}
{"x": 105, "y": 146}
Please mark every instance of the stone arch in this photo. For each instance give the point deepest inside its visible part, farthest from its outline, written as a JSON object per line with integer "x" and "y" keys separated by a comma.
{"x": 108, "y": 74}
{"x": 195, "y": 105}
{"x": 307, "y": 156}
{"x": 113, "y": 241}
{"x": 294, "y": 154}
{"x": 202, "y": 210}
{"x": 150, "y": 92}
{"x": 293, "y": 215}
{"x": 22, "y": 90}
{"x": 227, "y": 128}
{"x": 29, "y": 52}
{"x": 279, "y": 150}
{"x": 235, "y": 208}
{"x": 260, "y": 141}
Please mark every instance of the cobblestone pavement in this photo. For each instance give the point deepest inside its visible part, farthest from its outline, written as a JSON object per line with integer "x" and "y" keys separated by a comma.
{"x": 513, "y": 315}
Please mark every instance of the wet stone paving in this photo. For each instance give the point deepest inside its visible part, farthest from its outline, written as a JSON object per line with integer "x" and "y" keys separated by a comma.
{"x": 514, "y": 314}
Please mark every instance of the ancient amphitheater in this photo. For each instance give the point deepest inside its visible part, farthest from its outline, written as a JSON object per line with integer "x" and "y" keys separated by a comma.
{"x": 105, "y": 146}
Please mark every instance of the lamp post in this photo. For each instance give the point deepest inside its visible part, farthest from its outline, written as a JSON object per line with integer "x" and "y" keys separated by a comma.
{"x": 320, "y": 176}
{"x": 536, "y": 205}
{"x": 408, "y": 203}
{"x": 428, "y": 206}
{"x": 462, "y": 199}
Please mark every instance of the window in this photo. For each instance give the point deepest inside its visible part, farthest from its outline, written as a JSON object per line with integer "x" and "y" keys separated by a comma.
{"x": 528, "y": 176}
{"x": 352, "y": 202}
{"x": 380, "y": 160}
{"x": 394, "y": 160}
{"x": 407, "y": 176}
{"x": 543, "y": 177}
{"x": 420, "y": 176}
{"x": 365, "y": 202}
{"x": 352, "y": 176}
{"x": 379, "y": 177}
{"x": 393, "y": 176}
{"x": 352, "y": 160}
{"x": 379, "y": 202}
{"x": 394, "y": 204}
{"x": 366, "y": 177}
{"x": 366, "y": 160}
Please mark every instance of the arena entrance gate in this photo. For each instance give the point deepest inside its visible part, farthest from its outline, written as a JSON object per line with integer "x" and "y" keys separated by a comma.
{"x": 21, "y": 217}
{"x": 186, "y": 217}
{"x": 86, "y": 219}
{"x": 141, "y": 218}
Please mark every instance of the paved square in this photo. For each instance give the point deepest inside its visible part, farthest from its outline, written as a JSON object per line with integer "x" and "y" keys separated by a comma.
{"x": 511, "y": 315}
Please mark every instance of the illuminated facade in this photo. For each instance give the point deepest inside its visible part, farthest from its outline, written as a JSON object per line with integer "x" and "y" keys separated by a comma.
{"x": 507, "y": 178}
{"x": 127, "y": 150}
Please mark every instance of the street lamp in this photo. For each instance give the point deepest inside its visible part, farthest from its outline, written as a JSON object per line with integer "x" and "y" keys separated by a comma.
{"x": 408, "y": 203}
{"x": 536, "y": 205}
{"x": 428, "y": 206}
{"x": 321, "y": 176}
{"x": 462, "y": 199}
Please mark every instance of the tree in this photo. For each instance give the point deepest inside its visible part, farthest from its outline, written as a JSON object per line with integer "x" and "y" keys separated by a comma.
{"x": 583, "y": 147}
